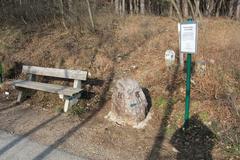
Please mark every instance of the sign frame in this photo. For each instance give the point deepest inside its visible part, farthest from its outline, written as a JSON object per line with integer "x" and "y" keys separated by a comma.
{"x": 196, "y": 37}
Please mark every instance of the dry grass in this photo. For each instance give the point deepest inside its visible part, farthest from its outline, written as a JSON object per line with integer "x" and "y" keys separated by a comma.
{"x": 140, "y": 42}
{"x": 135, "y": 46}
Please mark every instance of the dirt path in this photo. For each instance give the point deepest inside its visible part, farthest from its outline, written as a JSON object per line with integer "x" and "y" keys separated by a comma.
{"x": 21, "y": 148}
{"x": 91, "y": 136}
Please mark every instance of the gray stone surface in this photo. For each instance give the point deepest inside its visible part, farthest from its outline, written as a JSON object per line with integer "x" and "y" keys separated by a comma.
{"x": 129, "y": 104}
{"x": 14, "y": 147}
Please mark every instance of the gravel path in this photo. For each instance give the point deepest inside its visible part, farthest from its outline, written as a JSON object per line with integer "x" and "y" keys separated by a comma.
{"x": 14, "y": 147}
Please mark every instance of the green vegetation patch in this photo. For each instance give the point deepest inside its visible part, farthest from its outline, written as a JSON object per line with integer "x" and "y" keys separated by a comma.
{"x": 160, "y": 102}
{"x": 204, "y": 116}
{"x": 78, "y": 110}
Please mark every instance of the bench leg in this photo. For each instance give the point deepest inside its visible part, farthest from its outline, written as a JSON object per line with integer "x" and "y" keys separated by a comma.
{"x": 23, "y": 94}
{"x": 69, "y": 102}
{"x": 20, "y": 96}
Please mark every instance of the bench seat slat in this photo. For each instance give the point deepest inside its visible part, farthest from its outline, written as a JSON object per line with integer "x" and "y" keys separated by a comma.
{"x": 52, "y": 88}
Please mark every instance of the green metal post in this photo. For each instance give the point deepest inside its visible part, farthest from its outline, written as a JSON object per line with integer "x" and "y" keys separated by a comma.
{"x": 188, "y": 88}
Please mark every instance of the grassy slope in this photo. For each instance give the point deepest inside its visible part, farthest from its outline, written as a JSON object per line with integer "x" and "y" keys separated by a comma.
{"x": 135, "y": 46}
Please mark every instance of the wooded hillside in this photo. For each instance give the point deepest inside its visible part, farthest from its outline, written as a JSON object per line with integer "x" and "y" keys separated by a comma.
{"x": 75, "y": 11}
{"x": 182, "y": 8}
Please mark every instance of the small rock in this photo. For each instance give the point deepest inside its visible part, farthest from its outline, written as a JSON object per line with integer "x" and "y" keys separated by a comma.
{"x": 119, "y": 59}
{"x": 182, "y": 90}
{"x": 193, "y": 82}
{"x": 175, "y": 150}
{"x": 28, "y": 104}
{"x": 209, "y": 123}
{"x": 88, "y": 87}
{"x": 169, "y": 57}
{"x": 212, "y": 61}
{"x": 134, "y": 67}
{"x": 6, "y": 93}
{"x": 201, "y": 67}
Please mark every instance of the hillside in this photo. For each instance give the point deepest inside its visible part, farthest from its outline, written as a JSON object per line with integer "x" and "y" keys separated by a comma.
{"x": 132, "y": 47}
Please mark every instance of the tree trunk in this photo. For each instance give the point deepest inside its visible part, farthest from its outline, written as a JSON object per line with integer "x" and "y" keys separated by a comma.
{"x": 231, "y": 3}
{"x": 191, "y": 7}
{"x": 170, "y": 10}
{"x": 178, "y": 4}
{"x": 70, "y": 6}
{"x": 117, "y": 6}
{"x": 62, "y": 13}
{"x": 131, "y": 7}
{"x": 198, "y": 12}
{"x": 149, "y": 7}
{"x": 185, "y": 8}
{"x": 120, "y": 7}
{"x": 123, "y": 7}
{"x": 177, "y": 10}
{"x": 142, "y": 6}
{"x": 210, "y": 7}
{"x": 90, "y": 14}
{"x": 238, "y": 10}
{"x": 218, "y": 8}
{"x": 136, "y": 6}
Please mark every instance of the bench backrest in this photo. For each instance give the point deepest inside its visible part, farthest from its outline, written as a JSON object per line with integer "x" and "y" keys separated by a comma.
{"x": 54, "y": 72}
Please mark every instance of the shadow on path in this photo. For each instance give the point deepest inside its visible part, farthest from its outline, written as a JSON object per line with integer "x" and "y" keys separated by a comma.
{"x": 61, "y": 140}
{"x": 19, "y": 139}
{"x": 154, "y": 154}
{"x": 12, "y": 105}
{"x": 194, "y": 143}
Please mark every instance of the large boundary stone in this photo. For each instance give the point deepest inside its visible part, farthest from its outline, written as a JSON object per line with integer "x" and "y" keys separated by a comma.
{"x": 129, "y": 104}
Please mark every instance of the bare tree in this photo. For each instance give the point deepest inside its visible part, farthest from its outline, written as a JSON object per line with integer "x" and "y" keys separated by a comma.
{"x": 142, "y": 6}
{"x": 178, "y": 4}
{"x": 123, "y": 7}
{"x": 62, "y": 13}
{"x": 231, "y": 3}
{"x": 70, "y": 6}
{"x": 177, "y": 10}
{"x": 131, "y": 7}
{"x": 210, "y": 7}
{"x": 192, "y": 10}
{"x": 238, "y": 10}
{"x": 136, "y": 9}
{"x": 185, "y": 8}
{"x": 170, "y": 10}
{"x": 218, "y": 8}
{"x": 117, "y": 6}
{"x": 198, "y": 12}
{"x": 149, "y": 6}
{"x": 72, "y": 11}
{"x": 90, "y": 14}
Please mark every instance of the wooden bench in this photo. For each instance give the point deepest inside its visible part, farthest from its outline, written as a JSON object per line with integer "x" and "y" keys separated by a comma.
{"x": 69, "y": 94}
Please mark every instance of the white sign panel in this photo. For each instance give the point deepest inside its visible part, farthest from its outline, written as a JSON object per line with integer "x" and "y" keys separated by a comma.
{"x": 188, "y": 37}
